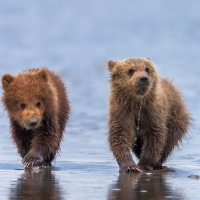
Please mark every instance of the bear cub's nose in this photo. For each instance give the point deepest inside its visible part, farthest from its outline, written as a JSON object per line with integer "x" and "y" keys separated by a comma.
{"x": 33, "y": 124}
{"x": 144, "y": 79}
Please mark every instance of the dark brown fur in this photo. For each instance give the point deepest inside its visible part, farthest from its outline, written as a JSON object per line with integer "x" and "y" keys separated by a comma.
{"x": 38, "y": 109}
{"x": 164, "y": 119}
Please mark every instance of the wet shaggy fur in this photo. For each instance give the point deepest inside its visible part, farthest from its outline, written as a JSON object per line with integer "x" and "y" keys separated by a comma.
{"x": 163, "y": 121}
{"x": 38, "y": 109}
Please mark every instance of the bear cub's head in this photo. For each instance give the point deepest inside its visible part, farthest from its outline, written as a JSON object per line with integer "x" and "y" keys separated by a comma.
{"x": 133, "y": 76}
{"x": 25, "y": 97}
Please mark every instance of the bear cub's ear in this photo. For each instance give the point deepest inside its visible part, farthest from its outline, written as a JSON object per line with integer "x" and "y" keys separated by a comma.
{"x": 42, "y": 75}
{"x": 111, "y": 65}
{"x": 6, "y": 80}
{"x": 148, "y": 58}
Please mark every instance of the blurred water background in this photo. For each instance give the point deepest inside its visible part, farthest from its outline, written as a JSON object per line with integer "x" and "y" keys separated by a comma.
{"x": 76, "y": 39}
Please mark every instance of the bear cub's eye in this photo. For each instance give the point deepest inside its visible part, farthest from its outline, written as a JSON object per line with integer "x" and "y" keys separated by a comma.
{"x": 131, "y": 72}
{"x": 38, "y": 104}
{"x": 22, "y": 105}
{"x": 147, "y": 70}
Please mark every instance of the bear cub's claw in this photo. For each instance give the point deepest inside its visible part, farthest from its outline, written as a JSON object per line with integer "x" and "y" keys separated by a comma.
{"x": 159, "y": 167}
{"x": 33, "y": 160}
{"x": 132, "y": 169}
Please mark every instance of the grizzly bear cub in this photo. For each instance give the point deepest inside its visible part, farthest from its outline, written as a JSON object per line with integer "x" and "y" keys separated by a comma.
{"x": 38, "y": 109}
{"x": 146, "y": 115}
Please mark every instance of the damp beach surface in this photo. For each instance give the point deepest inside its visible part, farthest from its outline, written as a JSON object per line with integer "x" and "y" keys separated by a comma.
{"x": 76, "y": 39}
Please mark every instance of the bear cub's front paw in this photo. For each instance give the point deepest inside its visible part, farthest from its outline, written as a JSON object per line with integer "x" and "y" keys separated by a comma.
{"x": 127, "y": 166}
{"x": 133, "y": 169}
{"x": 33, "y": 159}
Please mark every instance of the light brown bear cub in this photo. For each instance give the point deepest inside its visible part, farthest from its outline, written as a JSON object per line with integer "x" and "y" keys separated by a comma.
{"x": 38, "y": 109}
{"x": 146, "y": 115}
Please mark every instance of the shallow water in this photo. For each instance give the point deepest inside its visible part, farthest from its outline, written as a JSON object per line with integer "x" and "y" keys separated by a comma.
{"x": 76, "y": 39}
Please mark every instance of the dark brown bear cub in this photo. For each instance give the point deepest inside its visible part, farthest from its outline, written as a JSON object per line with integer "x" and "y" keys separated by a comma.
{"x": 38, "y": 109}
{"x": 146, "y": 115}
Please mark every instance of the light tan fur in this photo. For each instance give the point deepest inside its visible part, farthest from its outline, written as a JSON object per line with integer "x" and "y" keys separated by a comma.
{"x": 164, "y": 119}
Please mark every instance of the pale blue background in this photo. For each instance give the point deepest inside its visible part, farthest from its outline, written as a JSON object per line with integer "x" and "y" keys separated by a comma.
{"x": 76, "y": 39}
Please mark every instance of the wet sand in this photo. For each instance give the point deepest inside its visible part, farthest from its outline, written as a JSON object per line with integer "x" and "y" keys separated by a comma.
{"x": 76, "y": 40}
{"x": 91, "y": 173}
